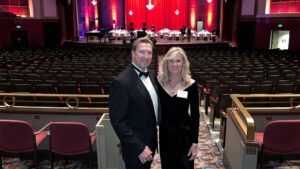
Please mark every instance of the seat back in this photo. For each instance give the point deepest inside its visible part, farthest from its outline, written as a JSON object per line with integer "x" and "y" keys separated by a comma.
{"x": 241, "y": 89}
{"x": 69, "y": 138}
{"x": 16, "y": 136}
{"x": 282, "y": 136}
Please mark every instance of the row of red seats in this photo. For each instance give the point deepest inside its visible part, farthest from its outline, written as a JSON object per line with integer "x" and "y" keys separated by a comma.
{"x": 66, "y": 138}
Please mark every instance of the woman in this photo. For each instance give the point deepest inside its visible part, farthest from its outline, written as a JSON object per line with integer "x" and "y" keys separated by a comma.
{"x": 179, "y": 112}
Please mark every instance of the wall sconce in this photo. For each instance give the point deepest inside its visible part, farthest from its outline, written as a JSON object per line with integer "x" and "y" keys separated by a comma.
{"x": 130, "y": 12}
{"x": 94, "y": 2}
{"x": 149, "y": 6}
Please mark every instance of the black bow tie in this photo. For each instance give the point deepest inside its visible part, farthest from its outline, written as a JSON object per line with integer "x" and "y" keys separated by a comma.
{"x": 146, "y": 74}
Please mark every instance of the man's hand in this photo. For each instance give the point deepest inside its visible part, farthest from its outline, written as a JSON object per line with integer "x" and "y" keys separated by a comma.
{"x": 146, "y": 155}
{"x": 193, "y": 151}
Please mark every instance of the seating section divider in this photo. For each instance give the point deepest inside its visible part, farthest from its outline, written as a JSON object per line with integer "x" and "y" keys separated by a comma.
{"x": 108, "y": 145}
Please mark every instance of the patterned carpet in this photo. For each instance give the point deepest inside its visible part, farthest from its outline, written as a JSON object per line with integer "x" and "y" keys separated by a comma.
{"x": 209, "y": 155}
{"x": 15, "y": 163}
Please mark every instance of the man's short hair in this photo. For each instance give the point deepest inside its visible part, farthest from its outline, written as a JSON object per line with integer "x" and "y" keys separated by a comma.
{"x": 141, "y": 40}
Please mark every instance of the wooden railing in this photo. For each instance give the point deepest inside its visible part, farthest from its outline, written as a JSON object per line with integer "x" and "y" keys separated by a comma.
{"x": 244, "y": 119}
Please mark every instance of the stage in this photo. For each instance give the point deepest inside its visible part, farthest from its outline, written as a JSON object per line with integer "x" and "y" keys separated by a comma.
{"x": 159, "y": 41}
{"x": 161, "y": 45}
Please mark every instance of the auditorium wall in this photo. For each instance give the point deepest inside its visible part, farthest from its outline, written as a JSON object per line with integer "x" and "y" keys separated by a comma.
{"x": 34, "y": 29}
{"x": 36, "y": 32}
{"x": 246, "y": 33}
{"x": 256, "y": 32}
{"x": 230, "y": 18}
{"x": 255, "y": 25}
{"x": 112, "y": 11}
{"x": 264, "y": 26}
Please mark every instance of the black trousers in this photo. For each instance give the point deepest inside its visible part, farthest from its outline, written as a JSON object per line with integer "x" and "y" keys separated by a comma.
{"x": 137, "y": 165}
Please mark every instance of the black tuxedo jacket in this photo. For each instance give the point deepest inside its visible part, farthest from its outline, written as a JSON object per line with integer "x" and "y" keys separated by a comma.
{"x": 132, "y": 114}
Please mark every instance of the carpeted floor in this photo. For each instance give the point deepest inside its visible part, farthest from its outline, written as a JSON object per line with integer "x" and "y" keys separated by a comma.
{"x": 209, "y": 155}
{"x": 15, "y": 163}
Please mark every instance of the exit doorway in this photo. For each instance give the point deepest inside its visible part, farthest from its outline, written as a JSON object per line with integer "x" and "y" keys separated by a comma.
{"x": 280, "y": 39}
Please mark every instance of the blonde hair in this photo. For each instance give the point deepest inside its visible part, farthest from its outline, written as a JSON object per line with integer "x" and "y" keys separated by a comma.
{"x": 185, "y": 78}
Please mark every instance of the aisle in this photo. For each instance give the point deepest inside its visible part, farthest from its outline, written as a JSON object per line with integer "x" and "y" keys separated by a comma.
{"x": 209, "y": 155}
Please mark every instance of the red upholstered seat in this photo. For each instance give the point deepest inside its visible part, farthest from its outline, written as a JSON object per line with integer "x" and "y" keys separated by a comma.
{"x": 280, "y": 137}
{"x": 18, "y": 137}
{"x": 70, "y": 138}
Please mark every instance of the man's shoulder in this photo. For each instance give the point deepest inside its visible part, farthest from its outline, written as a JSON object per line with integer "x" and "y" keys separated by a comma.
{"x": 152, "y": 72}
{"x": 123, "y": 75}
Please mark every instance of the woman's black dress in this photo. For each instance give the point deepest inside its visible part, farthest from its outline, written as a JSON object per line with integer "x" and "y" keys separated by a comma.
{"x": 178, "y": 128}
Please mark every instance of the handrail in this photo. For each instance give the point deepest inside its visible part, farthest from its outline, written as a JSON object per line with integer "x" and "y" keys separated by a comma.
{"x": 70, "y": 102}
{"x": 54, "y": 95}
{"x": 248, "y": 127}
{"x": 244, "y": 118}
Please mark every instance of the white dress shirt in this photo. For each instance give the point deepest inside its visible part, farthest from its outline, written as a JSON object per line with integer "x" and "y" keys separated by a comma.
{"x": 151, "y": 90}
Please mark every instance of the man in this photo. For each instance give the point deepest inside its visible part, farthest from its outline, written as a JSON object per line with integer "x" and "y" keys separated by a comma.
{"x": 153, "y": 28}
{"x": 182, "y": 31}
{"x": 134, "y": 107}
{"x": 189, "y": 33}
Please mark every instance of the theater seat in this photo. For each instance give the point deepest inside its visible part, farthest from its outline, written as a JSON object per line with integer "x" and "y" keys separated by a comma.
{"x": 18, "y": 137}
{"x": 280, "y": 137}
{"x": 69, "y": 139}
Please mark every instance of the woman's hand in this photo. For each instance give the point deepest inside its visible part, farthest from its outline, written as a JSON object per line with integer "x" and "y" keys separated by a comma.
{"x": 193, "y": 151}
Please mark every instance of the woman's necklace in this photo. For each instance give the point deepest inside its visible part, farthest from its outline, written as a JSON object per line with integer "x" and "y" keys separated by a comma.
{"x": 172, "y": 89}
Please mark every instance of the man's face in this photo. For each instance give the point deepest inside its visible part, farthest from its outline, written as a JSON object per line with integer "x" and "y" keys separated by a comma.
{"x": 142, "y": 56}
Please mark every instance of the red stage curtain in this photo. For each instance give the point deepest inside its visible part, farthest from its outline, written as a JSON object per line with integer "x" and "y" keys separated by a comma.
{"x": 161, "y": 16}
{"x": 287, "y": 6}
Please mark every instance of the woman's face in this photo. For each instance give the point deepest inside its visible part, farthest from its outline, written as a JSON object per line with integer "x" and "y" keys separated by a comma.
{"x": 175, "y": 64}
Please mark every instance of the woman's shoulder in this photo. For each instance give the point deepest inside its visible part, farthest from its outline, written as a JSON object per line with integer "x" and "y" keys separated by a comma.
{"x": 190, "y": 83}
{"x": 160, "y": 79}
